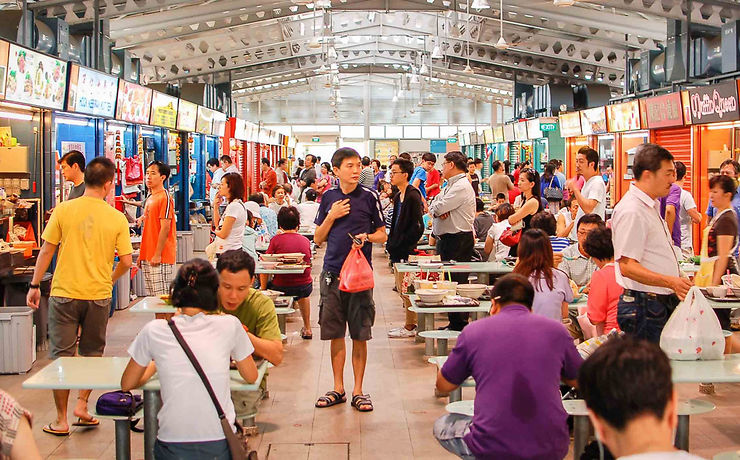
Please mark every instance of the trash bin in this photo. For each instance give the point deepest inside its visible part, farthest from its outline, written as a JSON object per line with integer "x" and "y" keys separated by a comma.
{"x": 184, "y": 246}
{"x": 201, "y": 236}
{"x": 16, "y": 338}
{"x": 16, "y": 289}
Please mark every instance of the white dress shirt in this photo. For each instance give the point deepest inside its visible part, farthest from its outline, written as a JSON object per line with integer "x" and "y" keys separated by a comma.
{"x": 458, "y": 198}
{"x": 638, "y": 232}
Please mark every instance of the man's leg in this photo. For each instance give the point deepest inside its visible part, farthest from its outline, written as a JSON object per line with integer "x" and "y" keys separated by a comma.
{"x": 304, "y": 305}
{"x": 338, "y": 356}
{"x": 64, "y": 321}
{"x": 359, "y": 361}
{"x": 449, "y": 430}
{"x": 61, "y": 398}
{"x": 92, "y": 343}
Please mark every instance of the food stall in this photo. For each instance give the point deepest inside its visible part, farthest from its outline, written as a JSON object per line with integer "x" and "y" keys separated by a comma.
{"x": 570, "y": 130}
{"x": 540, "y": 145}
{"x": 713, "y": 110}
{"x": 512, "y": 147}
{"x": 500, "y": 147}
{"x": 522, "y": 143}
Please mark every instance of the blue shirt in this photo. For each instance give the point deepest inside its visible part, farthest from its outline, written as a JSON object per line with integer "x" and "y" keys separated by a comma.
{"x": 365, "y": 216}
{"x": 518, "y": 410}
{"x": 269, "y": 219}
{"x": 420, "y": 173}
{"x": 558, "y": 244}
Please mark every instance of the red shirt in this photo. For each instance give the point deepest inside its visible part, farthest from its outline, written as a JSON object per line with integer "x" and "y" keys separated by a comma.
{"x": 285, "y": 243}
{"x": 270, "y": 179}
{"x": 433, "y": 177}
{"x": 513, "y": 193}
{"x": 603, "y": 297}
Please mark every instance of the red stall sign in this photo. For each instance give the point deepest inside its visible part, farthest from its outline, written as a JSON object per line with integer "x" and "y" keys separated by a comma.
{"x": 664, "y": 111}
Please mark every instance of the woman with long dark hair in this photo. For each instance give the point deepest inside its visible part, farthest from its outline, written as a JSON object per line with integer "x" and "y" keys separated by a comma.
{"x": 527, "y": 204}
{"x": 552, "y": 291}
{"x": 231, "y": 225}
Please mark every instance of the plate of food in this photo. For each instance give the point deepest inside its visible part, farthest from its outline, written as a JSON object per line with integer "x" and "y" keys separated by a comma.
{"x": 166, "y": 299}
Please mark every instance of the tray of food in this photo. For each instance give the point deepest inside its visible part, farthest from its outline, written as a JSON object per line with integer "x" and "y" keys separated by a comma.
{"x": 449, "y": 301}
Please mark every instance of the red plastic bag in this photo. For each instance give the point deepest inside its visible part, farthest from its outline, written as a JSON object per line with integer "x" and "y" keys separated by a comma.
{"x": 134, "y": 171}
{"x": 356, "y": 274}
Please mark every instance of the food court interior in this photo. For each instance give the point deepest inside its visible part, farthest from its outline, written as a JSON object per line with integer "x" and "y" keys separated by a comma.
{"x": 505, "y": 82}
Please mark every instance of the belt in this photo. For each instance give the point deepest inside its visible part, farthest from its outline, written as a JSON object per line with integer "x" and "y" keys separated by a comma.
{"x": 650, "y": 295}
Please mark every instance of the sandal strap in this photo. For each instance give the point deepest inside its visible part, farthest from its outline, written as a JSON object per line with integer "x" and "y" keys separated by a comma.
{"x": 361, "y": 400}
{"x": 331, "y": 396}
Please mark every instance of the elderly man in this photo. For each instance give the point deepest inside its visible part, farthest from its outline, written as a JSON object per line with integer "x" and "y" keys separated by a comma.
{"x": 453, "y": 213}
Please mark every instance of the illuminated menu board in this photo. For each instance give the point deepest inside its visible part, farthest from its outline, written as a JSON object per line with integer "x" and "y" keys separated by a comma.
{"x": 219, "y": 124}
{"x": 134, "y": 103}
{"x": 91, "y": 92}
{"x": 187, "y": 115}
{"x": 204, "y": 122}
{"x": 34, "y": 78}
{"x": 164, "y": 110}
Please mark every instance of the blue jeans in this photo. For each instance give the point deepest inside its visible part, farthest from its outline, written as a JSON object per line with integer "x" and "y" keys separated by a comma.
{"x": 643, "y": 315}
{"x": 449, "y": 430}
{"x": 205, "y": 450}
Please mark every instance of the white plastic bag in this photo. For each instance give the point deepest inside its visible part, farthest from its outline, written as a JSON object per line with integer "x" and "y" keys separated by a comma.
{"x": 693, "y": 331}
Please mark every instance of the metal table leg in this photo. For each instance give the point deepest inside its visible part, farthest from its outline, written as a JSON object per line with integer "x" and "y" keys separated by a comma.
{"x": 152, "y": 402}
{"x": 581, "y": 428}
{"x": 421, "y": 319}
{"x": 456, "y": 395}
{"x": 281, "y": 323}
{"x": 123, "y": 439}
{"x": 682, "y": 433}
{"x": 429, "y": 346}
{"x": 442, "y": 347}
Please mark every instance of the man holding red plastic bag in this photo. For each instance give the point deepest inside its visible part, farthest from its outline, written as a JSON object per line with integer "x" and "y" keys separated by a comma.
{"x": 349, "y": 216}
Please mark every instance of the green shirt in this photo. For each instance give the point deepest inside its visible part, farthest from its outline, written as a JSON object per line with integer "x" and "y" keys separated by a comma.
{"x": 257, "y": 312}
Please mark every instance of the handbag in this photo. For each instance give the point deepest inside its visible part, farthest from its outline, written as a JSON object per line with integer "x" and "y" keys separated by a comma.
{"x": 237, "y": 443}
{"x": 553, "y": 193}
{"x": 120, "y": 403}
{"x": 510, "y": 237}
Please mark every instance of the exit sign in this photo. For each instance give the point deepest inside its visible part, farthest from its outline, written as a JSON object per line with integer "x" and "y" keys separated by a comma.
{"x": 452, "y": 140}
{"x": 548, "y": 126}
{"x": 315, "y": 139}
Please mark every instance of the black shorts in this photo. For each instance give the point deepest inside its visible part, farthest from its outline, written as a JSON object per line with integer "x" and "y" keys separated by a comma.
{"x": 339, "y": 310}
{"x": 299, "y": 292}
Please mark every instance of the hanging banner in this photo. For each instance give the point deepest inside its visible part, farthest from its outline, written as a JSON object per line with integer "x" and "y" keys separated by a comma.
{"x": 664, "y": 111}
{"x": 509, "y": 132}
{"x": 219, "y": 124}
{"x": 533, "y": 129}
{"x": 92, "y": 93}
{"x": 498, "y": 134}
{"x": 240, "y": 129}
{"x": 570, "y": 124}
{"x": 624, "y": 117}
{"x": 593, "y": 121}
{"x": 711, "y": 104}
{"x": 520, "y": 130}
{"x": 35, "y": 79}
{"x": 488, "y": 135}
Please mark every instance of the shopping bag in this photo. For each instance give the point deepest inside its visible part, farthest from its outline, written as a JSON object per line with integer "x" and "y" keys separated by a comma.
{"x": 693, "y": 331}
{"x": 356, "y": 274}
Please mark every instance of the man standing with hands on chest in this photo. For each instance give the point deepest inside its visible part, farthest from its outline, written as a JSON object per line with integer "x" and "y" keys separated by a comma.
{"x": 647, "y": 267}
{"x": 592, "y": 196}
{"x": 337, "y": 309}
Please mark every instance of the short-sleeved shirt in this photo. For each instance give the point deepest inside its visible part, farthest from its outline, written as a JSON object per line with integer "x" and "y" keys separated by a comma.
{"x": 559, "y": 244}
{"x": 365, "y": 216}
{"x": 11, "y": 414}
{"x": 672, "y": 455}
{"x": 269, "y": 220}
{"x": 475, "y": 182}
{"x": 187, "y": 413}
{"x": 673, "y": 199}
{"x": 577, "y": 266}
{"x": 233, "y": 240}
{"x": 687, "y": 204}
{"x": 76, "y": 191}
{"x": 593, "y": 189}
{"x": 603, "y": 297}
{"x": 433, "y": 178}
{"x": 270, "y": 179}
{"x": 159, "y": 205}
{"x": 89, "y": 233}
{"x": 216, "y": 183}
{"x": 420, "y": 173}
{"x": 481, "y": 225}
{"x": 548, "y": 302}
{"x": 725, "y": 224}
{"x": 500, "y": 251}
{"x": 499, "y": 183}
{"x": 308, "y": 211}
{"x": 257, "y": 312}
{"x": 286, "y": 243}
{"x": 518, "y": 410}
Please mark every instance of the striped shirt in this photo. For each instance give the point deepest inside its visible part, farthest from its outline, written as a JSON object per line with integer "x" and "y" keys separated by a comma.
{"x": 558, "y": 244}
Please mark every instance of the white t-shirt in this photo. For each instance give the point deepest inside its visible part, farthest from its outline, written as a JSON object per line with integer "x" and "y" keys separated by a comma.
{"x": 687, "y": 203}
{"x": 500, "y": 250}
{"x": 308, "y": 211}
{"x": 276, "y": 207}
{"x": 236, "y": 210}
{"x": 593, "y": 189}
{"x": 673, "y": 455}
{"x": 187, "y": 413}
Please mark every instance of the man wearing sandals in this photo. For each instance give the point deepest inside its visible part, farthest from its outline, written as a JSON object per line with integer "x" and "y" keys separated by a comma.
{"x": 257, "y": 314}
{"x": 339, "y": 310}
{"x": 87, "y": 232}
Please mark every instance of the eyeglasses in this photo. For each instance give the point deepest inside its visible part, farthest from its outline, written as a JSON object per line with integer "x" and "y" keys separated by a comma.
{"x": 392, "y": 173}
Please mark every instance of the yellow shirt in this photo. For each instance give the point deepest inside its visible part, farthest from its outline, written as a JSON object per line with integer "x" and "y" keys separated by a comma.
{"x": 88, "y": 232}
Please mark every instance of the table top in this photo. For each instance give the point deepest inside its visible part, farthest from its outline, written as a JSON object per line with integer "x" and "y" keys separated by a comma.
{"x": 484, "y": 307}
{"x": 725, "y": 370}
{"x": 104, "y": 373}
{"x": 497, "y": 268}
{"x": 428, "y": 247}
{"x": 156, "y": 305}
{"x": 259, "y": 270}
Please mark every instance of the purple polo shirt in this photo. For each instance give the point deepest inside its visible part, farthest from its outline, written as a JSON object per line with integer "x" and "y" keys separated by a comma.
{"x": 673, "y": 199}
{"x": 517, "y": 359}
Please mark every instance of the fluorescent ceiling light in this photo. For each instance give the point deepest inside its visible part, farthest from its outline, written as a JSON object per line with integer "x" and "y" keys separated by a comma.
{"x": 563, "y": 2}
{"x": 16, "y": 116}
{"x": 481, "y": 4}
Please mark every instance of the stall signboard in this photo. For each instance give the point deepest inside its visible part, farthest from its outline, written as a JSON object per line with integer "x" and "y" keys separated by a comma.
{"x": 548, "y": 124}
{"x": 624, "y": 116}
{"x": 509, "y": 132}
{"x": 498, "y": 134}
{"x": 520, "y": 130}
{"x": 488, "y": 135}
{"x": 593, "y": 121}
{"x": 664, "y": 111}
{"x": 240, "y": 129}
{"x": 711, "y": 104}
{"x": 204, "y": 120}
{"x": 164, "y": 110}
{"x": 219, "y": 124}
{"x": 35, "y": 79}
{"x": 4, "y": 47}
{"x": 533, "y": 129}
{"x": 91, "y": 92}
{"x": 187, "y": 115}
{"x": 570, "y": 124}
{"x": 452, "y": 140}
{"x": 134, "y": 102}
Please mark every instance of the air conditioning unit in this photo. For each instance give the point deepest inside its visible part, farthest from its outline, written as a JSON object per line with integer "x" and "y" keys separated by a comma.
{"x": 706, "y": 57}
{"x": 731, "y": 47}
{"x": 651, "y": 69}
{"x": 675, "y": 51}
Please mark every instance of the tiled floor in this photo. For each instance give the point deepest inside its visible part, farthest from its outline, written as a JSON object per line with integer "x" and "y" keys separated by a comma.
{"x": 399, "y": 381}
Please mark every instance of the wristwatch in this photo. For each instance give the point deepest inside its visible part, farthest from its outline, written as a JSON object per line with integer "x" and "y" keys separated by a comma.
{"x": 34, "y": 286}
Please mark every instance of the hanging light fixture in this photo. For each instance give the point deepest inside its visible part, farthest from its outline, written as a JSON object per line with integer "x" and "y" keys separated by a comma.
{"x": 414, "y": 78}
{"x": 468, "y": 69}
{"x": 332, "y": 53}
{"x": 423, "y": 69}
{"x": 501, "y": 43}
{"x": 315, "y": 42}
{"x": 437, "y": 52}
{"x": 481, "y": 4}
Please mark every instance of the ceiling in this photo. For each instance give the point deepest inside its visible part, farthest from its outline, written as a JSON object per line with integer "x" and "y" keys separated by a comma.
{"x": 272, "y": 50}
